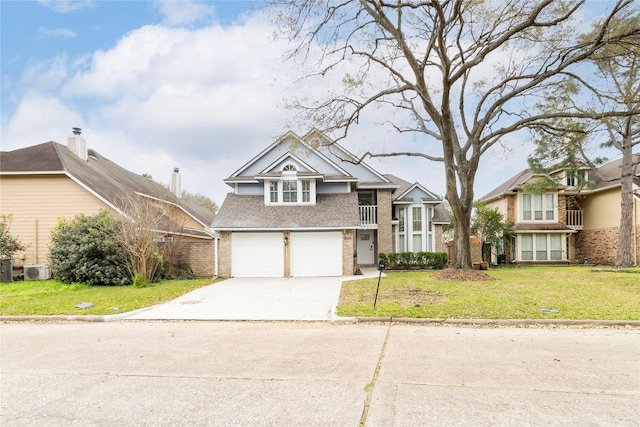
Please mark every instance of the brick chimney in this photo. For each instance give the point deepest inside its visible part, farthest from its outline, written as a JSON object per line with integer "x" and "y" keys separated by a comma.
{"x": 77, "y": 145}
{"x": 174, "y": 187}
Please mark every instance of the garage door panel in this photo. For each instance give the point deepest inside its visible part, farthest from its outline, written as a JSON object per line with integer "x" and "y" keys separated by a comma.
{"x": 257, "y": 255}
{"x": 316, "y": 254}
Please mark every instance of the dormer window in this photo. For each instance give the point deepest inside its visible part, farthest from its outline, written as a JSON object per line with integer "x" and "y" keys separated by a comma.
{"x": 289, "y": 191}
{"x": 289, "y": 168}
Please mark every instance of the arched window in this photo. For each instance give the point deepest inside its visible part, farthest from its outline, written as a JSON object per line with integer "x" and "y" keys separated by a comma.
{"x": 289, "y": 168}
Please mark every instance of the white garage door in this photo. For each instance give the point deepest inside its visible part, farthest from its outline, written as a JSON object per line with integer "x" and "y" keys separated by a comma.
{"x": 316, "y": 253}
{"x": 257, "y": 255}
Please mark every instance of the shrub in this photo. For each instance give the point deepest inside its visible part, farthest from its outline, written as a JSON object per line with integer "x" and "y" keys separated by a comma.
{"x": 406, "y": 260}
{"x": 8, "y": 244}
{"x": 393, "y": 260}
{"x": 85, "y": 250}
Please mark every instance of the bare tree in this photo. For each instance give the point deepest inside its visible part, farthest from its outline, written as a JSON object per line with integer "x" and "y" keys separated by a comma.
{"x": 138, "y": 230}
{"x": 467, "y": 73}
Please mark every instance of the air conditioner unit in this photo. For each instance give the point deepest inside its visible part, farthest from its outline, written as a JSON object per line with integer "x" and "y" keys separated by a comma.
{"x": 37, "y": 272}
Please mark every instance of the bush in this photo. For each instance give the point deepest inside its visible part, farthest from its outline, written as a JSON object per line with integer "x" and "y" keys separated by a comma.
{"x": 407, "y": 260}
{"x": 85, "y": 250}
{"x": 8, "y": 244}
{"x": 393, "y": 261}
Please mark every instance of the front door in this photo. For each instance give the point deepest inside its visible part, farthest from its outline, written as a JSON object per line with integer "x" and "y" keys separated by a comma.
{"x": 366, "y": 247}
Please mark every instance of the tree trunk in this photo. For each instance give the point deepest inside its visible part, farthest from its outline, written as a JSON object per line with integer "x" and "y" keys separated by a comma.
{"x": 461, "y": 208}
{"x": 462, "y": 248}
{"x": 623, "y": 256}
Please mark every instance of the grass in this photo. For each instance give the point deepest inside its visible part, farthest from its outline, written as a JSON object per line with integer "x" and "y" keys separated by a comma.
{"x": 577, "y": 292}
{"x": 51, "y": 297}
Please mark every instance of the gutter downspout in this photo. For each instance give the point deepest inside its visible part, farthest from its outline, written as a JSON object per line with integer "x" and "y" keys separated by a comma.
{"x": 215, "y": 255}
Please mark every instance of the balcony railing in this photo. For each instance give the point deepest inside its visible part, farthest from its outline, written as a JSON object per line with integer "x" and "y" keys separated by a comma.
{"x": 574, "y": 219}
{"x": 369, "y": 216}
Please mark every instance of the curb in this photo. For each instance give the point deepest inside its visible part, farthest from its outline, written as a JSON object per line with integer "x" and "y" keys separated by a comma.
{"x": 335, "y": 319}
{"x": 43, "y": 319}
{"x": 500, "y": 322}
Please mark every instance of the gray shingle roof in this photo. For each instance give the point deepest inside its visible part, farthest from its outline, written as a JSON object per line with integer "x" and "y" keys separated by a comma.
{"x": 512, "y": 183}
{"x": 97, "y": 173}
{"x": 609, "y": 173}
{"x": 543, "y": 226}
{"x": 249, "y": 212}
{"x": 403, "y": 185}
{"x": 440, "y": 215}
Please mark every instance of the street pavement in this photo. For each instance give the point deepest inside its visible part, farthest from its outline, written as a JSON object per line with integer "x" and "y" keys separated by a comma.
{"x": 209, "y": 373}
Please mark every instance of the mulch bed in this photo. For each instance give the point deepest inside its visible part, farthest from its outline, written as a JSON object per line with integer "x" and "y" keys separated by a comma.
{"x": 461, "y": 275}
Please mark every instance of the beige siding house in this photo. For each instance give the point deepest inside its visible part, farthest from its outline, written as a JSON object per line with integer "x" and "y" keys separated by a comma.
{"x": 566, "y": 223}
{"x": 41, "y": 184}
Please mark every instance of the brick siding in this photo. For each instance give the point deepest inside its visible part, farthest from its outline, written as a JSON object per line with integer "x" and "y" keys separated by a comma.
{"x": 440, "y": 247}
{"x": 348, "y": 246}
{"x": 385, "y": 231}
{"x": 562, "y": 209}
{"x": 224, "y": 254}
{"x": 189, "y": 257}
{"x": 599, "y": 246}
{"x": 511, "y": 214}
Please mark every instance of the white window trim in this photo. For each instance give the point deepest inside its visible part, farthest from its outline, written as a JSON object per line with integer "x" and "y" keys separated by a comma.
{"x": 544, "y": 210}
{"x": 427, "y": 237}
{"x": 563, "y": 237}
{"x": 312, "y": 192}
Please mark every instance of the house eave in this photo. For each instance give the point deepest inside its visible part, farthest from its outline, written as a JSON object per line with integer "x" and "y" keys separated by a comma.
{"x": 326, "y": 228}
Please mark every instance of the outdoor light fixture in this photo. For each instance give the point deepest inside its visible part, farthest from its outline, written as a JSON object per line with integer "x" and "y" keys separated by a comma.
{"x": 286, "y": 240}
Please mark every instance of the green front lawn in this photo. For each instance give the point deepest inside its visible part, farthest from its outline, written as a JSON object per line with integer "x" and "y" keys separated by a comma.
{"x": 51, "y": 297}
{"x": 577, "y": 292}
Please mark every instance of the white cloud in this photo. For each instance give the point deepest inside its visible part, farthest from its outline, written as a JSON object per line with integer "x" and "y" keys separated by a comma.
{"x": 66, "y": 6}
{"x": 184, "y": 12}
{"x": 56, "y": 32}
{"x": 39, "y": 118}
{"x": 205, "y": 100}
{"x": 45, "y": 75}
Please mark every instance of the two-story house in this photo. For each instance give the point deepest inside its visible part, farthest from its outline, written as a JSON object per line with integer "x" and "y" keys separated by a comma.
{"x": 566, "y": 223}
{"x": 306, "y": 207}
{"x": 43, "y": 183}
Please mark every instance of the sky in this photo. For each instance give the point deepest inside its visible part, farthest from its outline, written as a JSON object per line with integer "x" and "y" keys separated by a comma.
{"x": 154, "y": 85}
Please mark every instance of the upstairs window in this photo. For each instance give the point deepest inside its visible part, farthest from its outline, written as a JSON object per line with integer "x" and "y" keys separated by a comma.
{"x": 574, "y": 179}
{"x": 538, "y": 207}
{"x": 290, "y": 191}
{"x": 273, "y": 191}
{"x": 306, "y": 191}
{"x": 289, "y": 168}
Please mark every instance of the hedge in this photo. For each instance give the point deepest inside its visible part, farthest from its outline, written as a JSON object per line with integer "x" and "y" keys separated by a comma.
{"x": 409, "y": 260}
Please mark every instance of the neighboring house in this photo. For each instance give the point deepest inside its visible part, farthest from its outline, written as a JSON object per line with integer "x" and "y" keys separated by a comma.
{"x": 307, "y": 207}
{"x": 43, "y": 183}
{"x": 567, "y": 223}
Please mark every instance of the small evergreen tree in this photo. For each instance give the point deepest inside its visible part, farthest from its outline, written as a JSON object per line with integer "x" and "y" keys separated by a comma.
{"x": 9, "y": 245}
{"x": 86, "y": 250}
{"x": 490, "y": 225}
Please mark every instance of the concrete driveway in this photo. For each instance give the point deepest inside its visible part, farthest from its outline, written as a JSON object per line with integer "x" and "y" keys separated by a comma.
{"x": 313, "y": 298}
